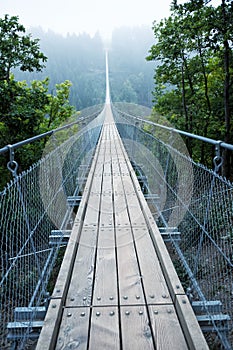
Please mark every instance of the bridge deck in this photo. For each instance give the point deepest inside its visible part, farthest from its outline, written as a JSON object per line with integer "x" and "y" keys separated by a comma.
{"x": 117, "y": 288}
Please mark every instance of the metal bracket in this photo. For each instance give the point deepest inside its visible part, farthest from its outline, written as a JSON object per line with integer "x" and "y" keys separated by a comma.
{"x": 218, "y": 160}
{"x": 12, "y": 165}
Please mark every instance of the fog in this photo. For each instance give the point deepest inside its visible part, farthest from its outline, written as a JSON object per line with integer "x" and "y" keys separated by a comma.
{"x": 75, "y": 16}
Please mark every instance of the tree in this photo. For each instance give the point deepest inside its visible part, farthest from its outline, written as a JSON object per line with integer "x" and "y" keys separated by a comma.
{"x": 194, "y": 47}
{"x": 26, "y": 110}
{"x": 58, "y": 108}
{"x": 18, "y": 49}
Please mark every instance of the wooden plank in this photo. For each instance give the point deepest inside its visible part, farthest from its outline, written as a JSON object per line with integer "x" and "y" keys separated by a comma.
{"x": 136, "y": 330}
{"x": 85, "y": 196}
{"x": 73, "y": 332}
{"x": 189, "y": 323}
{"x": 130, "y": 279}
{"x": 120, "y": 210}
{"x": 135, "y": 212}
{"x": 61, "y": 286}
{"x": 120, "y": 206}
{"x": 105, "y": 287}
{"x": 155, "y": 286}
{"x": 129, "y": 189}
{"x": 49, "y": 332}
{"x": 171, "y": 277}
{"x": 166, "y": 328}
{"x": 106, "y": 210}
{"x": 81, "y": 283}
{"x": 92, "y": 210}
{"x": 104, "y": 331}
{"x": 154, "y": 283}
{"x": 62, "y": 282}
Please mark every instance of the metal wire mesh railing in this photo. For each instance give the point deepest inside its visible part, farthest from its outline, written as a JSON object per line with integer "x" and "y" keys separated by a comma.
{"x": 33, "y": 205}
{"x": 193, "y": 205}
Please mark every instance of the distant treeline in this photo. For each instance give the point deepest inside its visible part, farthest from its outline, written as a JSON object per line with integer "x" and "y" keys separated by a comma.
{"x": 81, "y": 59}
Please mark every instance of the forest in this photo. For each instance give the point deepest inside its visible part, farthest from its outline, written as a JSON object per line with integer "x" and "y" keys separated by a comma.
{"x": 194, "y": 76}
{"x": 81, "y": 60}
{"x": 52, "y": 77}
{"x": 182, "y": 67}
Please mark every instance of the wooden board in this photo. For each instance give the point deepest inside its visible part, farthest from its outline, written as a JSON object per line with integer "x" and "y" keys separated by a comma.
{"x": 74, "y": 327}
{"x": 81, "y": 283}
{"x": 129, "y": 275}
{"x": 50, "y": 330}
{"x": 189, "y": 323}
{"x": 105, "y": 287}
{"x": 104, "y": 328}
{"x": 155, "y": 287}
{"x": 166, "y": 328}
{"x": 136, "y": 330}
{"x": 171, "y": 277}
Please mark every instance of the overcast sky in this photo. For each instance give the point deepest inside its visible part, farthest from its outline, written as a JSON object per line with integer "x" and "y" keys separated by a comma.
{"x": 75, "y": 16}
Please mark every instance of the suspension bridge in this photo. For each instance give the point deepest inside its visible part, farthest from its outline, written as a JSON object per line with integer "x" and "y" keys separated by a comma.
{"x": 116, "y": 193}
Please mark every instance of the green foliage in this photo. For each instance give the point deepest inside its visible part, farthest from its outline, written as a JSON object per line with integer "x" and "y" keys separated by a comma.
{"x": 18, "y": 49}
{"x": 193, "y": 81}
{"x": 26, "y": 109}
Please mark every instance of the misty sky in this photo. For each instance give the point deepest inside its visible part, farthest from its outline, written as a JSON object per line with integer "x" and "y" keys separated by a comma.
{"x": 75, "y": 16}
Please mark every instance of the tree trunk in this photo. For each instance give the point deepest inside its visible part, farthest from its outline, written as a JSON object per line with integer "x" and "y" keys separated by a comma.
{"x": 227, "y": 111}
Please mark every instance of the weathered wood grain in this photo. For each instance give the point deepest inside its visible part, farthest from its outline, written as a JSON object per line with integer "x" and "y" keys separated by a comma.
{"x": 104, "y": 331}
{"x": 193, "y": 334}
{"x": 105, "y": 284}
{"x": 155, "y": 286}
{"x": 136, "y": 330}
{"x": 74, "y": 327}
{"x": 166, "y": 328}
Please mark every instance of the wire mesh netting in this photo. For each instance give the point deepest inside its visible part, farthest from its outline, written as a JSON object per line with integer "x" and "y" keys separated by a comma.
{"x": 194, "y": 205}
{"x": 32, "y": 206}
{"x": 191, "y": 203}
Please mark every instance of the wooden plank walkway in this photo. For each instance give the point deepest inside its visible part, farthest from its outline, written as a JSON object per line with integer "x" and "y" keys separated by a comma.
{"x": 117, "y": 287}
